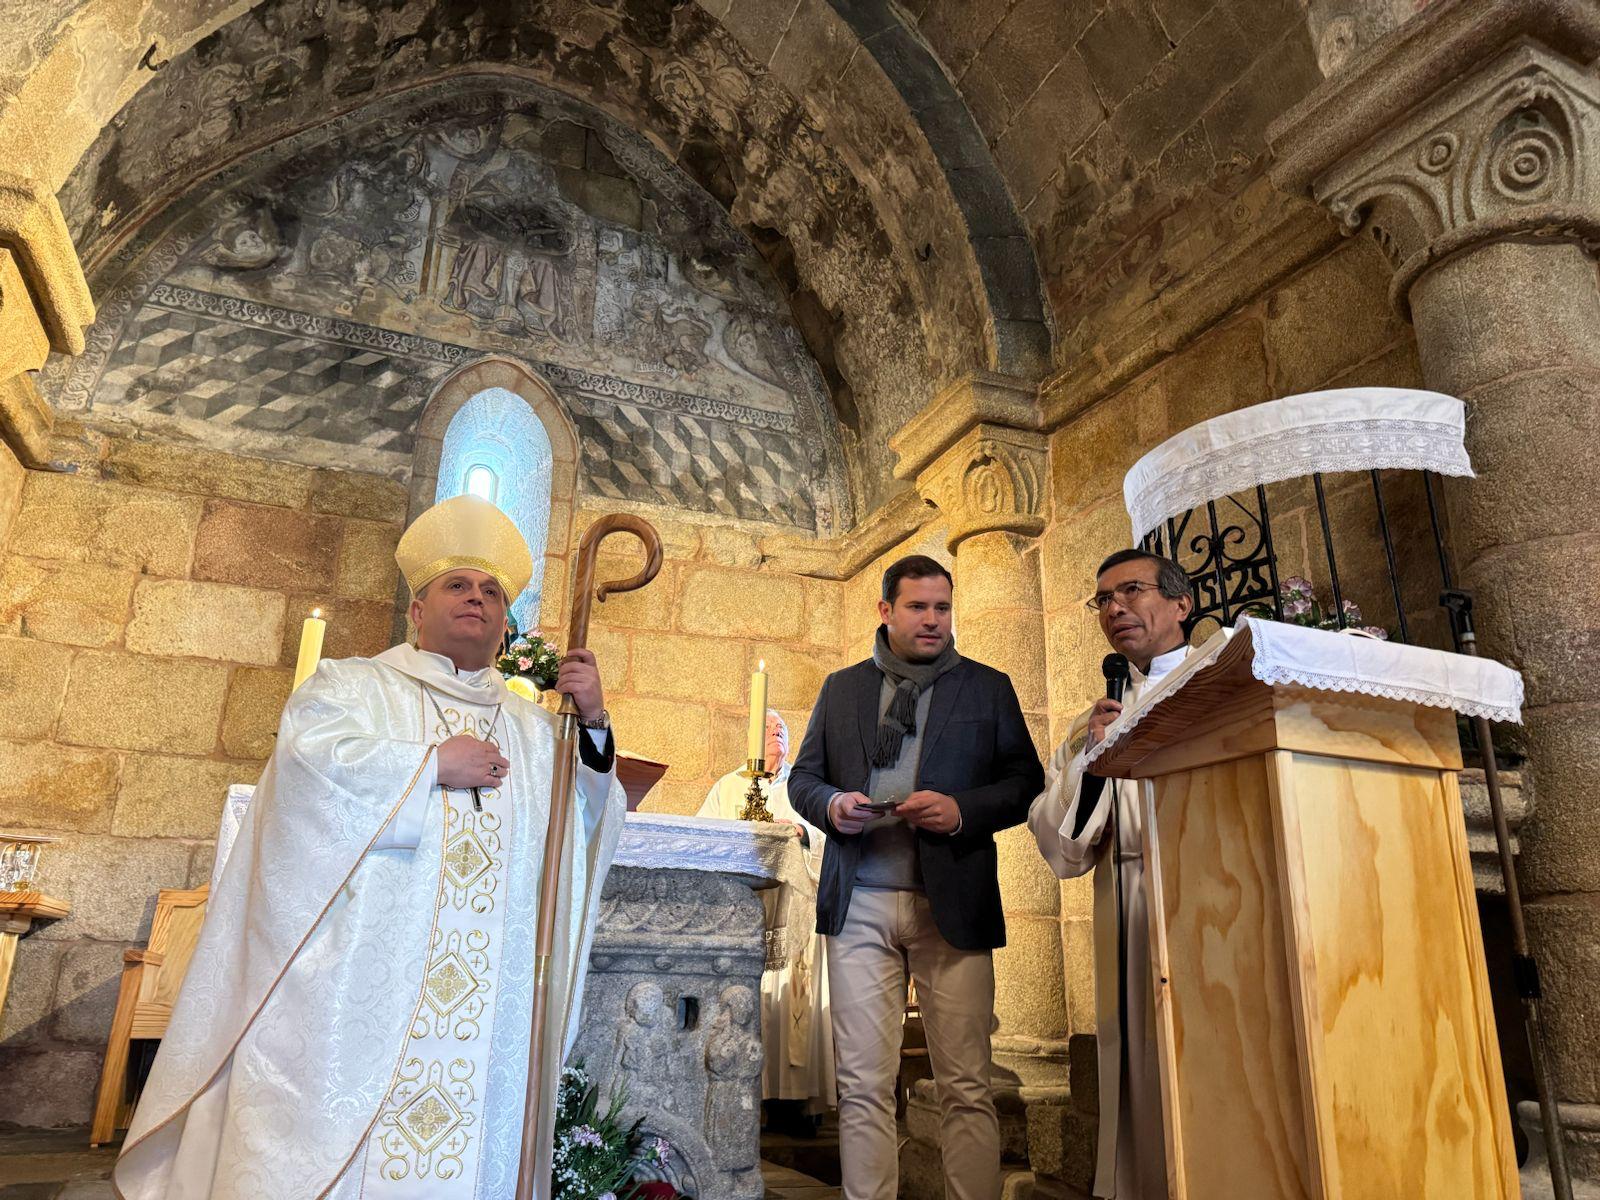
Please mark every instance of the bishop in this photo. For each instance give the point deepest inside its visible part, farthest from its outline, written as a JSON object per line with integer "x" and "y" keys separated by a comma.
{"x": 355, "y": 1020}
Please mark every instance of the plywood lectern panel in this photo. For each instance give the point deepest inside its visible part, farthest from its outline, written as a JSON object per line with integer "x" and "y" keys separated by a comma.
{"x": 1404, "y": 1065}
{"x": 1230, "y": 1057}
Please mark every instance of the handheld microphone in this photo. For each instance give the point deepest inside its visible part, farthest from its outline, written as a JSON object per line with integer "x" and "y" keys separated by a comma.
{"x": 1115, "y": 668}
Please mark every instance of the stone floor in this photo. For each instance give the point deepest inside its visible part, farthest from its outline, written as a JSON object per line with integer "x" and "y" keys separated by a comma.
{"x": 59, "y": 1165}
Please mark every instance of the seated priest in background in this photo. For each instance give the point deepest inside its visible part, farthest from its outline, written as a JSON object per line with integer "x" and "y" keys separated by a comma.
{"x": 1142, "y": 601}
{"x": 356, "y": 1017}
{"x": 797, "y": 1082}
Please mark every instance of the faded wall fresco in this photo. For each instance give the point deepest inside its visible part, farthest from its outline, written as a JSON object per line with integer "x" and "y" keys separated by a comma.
{"x": 306, "y": 300}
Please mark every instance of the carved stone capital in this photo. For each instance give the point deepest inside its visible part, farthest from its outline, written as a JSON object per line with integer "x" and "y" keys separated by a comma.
{"x": 34, "y": 235}
{"x": 1501, "y": 142}
{"x": 1513, "y": 150}
{"x": 981, "y": 397}
{"x": 992, "y": 479}
{"x": 44, "y": 305}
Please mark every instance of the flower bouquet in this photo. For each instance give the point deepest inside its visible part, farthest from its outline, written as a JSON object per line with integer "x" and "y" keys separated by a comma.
{"x": 596, "y": 1156}
{"x": 1300, "y": 607}
{"x": 531, "y": 658}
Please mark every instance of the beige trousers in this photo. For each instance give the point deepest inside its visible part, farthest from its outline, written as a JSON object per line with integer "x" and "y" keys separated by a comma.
{"x": 884, "y": 932}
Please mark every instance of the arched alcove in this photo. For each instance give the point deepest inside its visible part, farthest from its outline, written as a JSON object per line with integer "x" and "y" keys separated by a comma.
{"x": 497, "y": 449}
{"x": 500, "y": 414}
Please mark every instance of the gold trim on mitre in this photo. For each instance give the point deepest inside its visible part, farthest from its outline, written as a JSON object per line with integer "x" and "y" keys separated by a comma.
{"x": 465, "y": 531}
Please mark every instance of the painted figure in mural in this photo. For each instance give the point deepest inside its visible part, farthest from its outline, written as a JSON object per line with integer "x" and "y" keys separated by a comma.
{"x": 246, "y": 242}
{"x": 913, "y": 761}
{"x": 796, "y": 1029}
{"x": 1141, "y": 600}
{"x": 644, "y": 1048}
{"x": 537, "y": 298}
{"x": 733, "y": 1064}
{"x": 745, "y": 342}
{"x": 355, "y": 1020}
{"x": 670, "y": 334}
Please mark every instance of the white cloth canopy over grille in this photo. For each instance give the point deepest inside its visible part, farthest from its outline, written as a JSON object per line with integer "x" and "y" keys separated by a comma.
{"x": 1342, "y": 429}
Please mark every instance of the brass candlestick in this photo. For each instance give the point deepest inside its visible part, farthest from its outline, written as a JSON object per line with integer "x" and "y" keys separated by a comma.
{"x": 755, "y": 804}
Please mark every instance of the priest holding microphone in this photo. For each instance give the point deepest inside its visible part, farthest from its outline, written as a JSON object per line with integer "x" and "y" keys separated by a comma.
{"x": 1083, "y": 823}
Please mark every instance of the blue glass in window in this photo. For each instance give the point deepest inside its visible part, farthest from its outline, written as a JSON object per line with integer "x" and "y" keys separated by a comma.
{"x": 496, "y": 442}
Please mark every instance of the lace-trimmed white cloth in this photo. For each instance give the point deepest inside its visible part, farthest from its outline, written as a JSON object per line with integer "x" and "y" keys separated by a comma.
{"x": 233, "y": 809}
{"x": 766, "y": 855}
{"x": 1342, "y": 662}
{"x": 1342, "y": 429}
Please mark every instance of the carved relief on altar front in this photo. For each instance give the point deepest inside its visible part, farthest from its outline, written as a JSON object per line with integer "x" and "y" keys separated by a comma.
{"x": 645, "y": 1048}
{"x": 671, "y": 1018}
{"x": 733, "y": 1095}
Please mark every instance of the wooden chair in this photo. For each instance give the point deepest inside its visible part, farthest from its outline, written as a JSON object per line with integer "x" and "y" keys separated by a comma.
{"x": 150, "y": 981}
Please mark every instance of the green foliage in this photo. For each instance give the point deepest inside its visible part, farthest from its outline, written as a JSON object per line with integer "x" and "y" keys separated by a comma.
{"x": 596, "y": 1156}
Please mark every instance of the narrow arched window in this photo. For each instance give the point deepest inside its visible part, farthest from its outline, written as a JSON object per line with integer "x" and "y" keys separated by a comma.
{"x": 482, "y": 482}
{"x": 497, "y": 448}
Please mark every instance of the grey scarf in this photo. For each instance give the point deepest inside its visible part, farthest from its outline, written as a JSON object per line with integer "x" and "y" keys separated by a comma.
{"x": 909, "y": 678}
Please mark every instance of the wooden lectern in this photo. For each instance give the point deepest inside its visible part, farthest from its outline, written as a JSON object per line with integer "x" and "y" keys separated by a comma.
{"x": 1322, "y": 1007}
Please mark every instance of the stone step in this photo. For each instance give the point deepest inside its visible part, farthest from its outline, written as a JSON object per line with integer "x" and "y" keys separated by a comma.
{"x": 785, "y": 1183}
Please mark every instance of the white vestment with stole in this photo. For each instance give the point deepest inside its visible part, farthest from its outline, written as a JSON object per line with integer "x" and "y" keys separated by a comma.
{"x": 1131, "y": 1159}
{"x": 356, "y": 1016}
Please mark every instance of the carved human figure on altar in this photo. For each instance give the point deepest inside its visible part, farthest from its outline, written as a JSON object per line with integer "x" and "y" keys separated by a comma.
{"x": 733, "y": 1065}
{"x": 796, "y": 1031}
{"x": 644, "y": 1048}
{"x": 355, "y": 1021}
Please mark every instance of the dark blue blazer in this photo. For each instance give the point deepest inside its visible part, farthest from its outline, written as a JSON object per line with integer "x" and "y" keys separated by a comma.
{"x": 976, "y": 748}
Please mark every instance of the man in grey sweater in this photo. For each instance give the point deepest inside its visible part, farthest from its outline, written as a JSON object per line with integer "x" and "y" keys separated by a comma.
{"x": 913, "y": 760}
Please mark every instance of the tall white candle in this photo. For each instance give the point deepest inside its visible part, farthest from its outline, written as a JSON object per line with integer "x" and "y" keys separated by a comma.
{"x": 755, "y": 741}
{"x": 310, "y": 646}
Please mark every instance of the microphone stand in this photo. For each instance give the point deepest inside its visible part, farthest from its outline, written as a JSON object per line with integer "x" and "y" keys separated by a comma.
{"x": 1115, "y": 668}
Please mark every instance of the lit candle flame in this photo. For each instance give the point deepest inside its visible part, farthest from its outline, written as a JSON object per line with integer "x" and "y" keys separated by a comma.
{"x": 762, "y": 665}
{"x": 316, "y": 612}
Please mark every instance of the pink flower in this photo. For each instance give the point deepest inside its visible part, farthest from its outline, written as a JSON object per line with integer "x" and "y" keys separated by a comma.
{"x": 525, "y": 664}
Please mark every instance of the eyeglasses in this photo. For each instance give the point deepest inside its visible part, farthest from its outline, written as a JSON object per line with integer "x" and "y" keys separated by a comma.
{"x": 1124, "y": 592}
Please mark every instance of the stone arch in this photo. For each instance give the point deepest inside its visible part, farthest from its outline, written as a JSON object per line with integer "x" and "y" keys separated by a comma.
{"x": 507, "y": 373}
{"x": 840, "y": 165}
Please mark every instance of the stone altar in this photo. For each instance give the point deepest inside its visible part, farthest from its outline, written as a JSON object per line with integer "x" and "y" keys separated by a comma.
{"x": 671, "y": 1005}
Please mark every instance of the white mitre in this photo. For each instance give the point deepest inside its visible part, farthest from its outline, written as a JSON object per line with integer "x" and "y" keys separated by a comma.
{"x": 465, "y": 531}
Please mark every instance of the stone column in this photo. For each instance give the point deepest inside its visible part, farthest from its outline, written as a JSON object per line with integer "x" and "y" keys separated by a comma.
{"x": 1466, "y": 144}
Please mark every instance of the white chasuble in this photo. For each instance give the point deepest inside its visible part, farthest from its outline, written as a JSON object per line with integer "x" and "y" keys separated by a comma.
{"x": 355, "y": 1019}
{"x": 796, "y": 1027}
